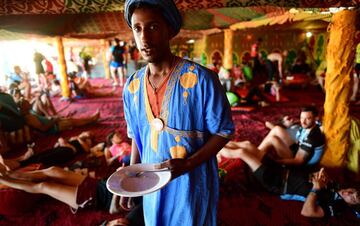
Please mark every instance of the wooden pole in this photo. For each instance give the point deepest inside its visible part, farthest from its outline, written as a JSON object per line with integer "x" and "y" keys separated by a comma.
{"x": 105, "y": 47}
{"x": 62, "y": 68}
{"x": 338, "y": 86}
{"x": 205, "y": 50}
{"x": 228, "y": 48}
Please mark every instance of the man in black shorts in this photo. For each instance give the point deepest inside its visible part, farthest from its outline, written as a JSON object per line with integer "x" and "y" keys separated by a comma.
{"x": 321, "y": 197}
{"x": 309, "y": 142}
{"x": 62, "y": 152}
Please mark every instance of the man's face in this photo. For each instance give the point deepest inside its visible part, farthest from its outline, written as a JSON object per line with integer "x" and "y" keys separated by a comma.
{"x": 151, "y": 33}
{"x": 17, "y": 70}
{"x": 350, "y": 196}
{"x": 116, "y": 139}
{"x": 307, "y": 119}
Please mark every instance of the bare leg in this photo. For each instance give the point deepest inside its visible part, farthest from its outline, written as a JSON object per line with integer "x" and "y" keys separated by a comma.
{"x": 53, "y": 174}
{"x": 48, "y": 105}
{"x": 113, "y": 71}
{"x": 97, "y": 93}
{"x": 25, "y": 85}
{"x": 252, "y": 159}
{"x": 69, "y": 123}
{"x": 39, "y": 107}
{"x": 233, "y": 150}
{"x": 281, "y": 148}
{"x": 279, "y": 132}
{"x": 121, "y": 72}
{"x": 64, "y": 193}
{"x": 6, "y": 165}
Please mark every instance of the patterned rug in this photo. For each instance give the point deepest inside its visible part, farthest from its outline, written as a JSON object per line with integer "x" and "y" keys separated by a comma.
{"x": 242, "y": 201}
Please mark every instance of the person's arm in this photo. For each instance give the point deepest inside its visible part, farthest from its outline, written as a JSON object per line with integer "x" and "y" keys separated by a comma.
{"x": 109, "y": 158}
{"x": 299, "y": 158}
{"x": 210, "y": 149}
{"x": 280, "y": 67}
{"x": 310, "y": 207}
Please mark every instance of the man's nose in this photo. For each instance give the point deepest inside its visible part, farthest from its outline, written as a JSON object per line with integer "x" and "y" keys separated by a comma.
{"x": 144, "y": 36}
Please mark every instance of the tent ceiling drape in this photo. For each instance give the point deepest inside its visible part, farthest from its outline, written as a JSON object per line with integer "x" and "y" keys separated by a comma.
{"x": 19, "y": 7}
{"x": 103, "y": 18}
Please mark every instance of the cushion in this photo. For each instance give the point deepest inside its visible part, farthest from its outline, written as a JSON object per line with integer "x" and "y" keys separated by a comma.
{"x": 232, "y": 98}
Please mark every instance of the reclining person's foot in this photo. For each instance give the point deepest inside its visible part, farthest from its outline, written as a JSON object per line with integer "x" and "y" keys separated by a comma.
{"x": 3, "y": 170}
{"x": 3, "y": 166}
{"x": 30, "y": 151}
{"x": 64, "y": 143}
{"x": 96, "y": 115}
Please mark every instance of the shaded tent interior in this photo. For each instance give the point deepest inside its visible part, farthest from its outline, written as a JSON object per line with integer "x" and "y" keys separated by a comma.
{"x": 83, "y": 20}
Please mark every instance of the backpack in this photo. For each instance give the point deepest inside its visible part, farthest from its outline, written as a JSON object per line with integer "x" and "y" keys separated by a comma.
{"x": 117, "y": 54}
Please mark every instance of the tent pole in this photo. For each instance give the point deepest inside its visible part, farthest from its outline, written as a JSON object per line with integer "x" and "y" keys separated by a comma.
{"x": 338, "y": 87}
{"x": 105, "y": 47}
{"x": 228, "y": 48}
{"x": 62, "y": 69}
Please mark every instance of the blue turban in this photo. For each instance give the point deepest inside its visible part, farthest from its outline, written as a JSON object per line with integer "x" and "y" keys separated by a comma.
{"x": 168, "y": 9}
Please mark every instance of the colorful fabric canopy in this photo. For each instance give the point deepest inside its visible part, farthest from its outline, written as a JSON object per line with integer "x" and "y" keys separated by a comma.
{"x": 281, "y": 19}
{"x": 104, "y": 18}
{"x": 11, "y": 7}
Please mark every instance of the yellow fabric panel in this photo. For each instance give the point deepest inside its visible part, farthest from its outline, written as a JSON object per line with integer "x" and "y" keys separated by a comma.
{"x": 357, "y": 60}
{"x": 354, "y": 150}
{"x": 340, "y": 58}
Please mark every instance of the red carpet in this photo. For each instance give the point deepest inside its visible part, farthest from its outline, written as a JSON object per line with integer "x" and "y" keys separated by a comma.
{"x": 241, "y": 201}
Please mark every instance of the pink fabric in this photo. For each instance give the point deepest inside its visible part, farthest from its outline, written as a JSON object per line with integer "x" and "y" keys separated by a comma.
{"x": 124, "y": 149}
{"x": 254, "y": 50}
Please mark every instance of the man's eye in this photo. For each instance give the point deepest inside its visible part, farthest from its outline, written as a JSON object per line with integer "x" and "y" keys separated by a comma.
{"x": 136, "y": 29}
{"x": 153, "y": 27}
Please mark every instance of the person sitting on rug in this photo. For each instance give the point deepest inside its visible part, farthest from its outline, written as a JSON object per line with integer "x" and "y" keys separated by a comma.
{"x": 42, "y": 105}
{"x": 76, "y": 190}
{"x": 53, "y": 125}
{"x": 20, "y": 80}
{"x": 272, "y": 88}
{"x": 117, "y": 149}
{"x": 321, "y": 198}
{"x": 253, "y": 94}
{"x": 62, "y": 152}
{"x": 55, "y": 88}
{"x": 10, "y": 116}
{"x": 309, "y": 141}
{"x": 81, "y": 87}
{"x": 300, "y": 66}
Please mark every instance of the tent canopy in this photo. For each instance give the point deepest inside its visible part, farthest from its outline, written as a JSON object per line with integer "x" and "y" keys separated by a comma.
{"x": 103, "y": 18}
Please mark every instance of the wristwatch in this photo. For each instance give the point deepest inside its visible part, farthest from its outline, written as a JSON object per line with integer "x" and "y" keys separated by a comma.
{"x": 316, "y": 191}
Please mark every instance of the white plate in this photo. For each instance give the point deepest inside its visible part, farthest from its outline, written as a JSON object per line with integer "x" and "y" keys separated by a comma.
{"x": 124, "y": 183}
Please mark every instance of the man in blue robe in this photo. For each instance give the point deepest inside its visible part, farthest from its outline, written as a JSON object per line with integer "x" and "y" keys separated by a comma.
{"x": 177, "y": 116}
